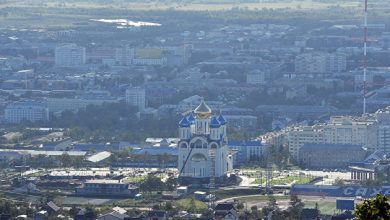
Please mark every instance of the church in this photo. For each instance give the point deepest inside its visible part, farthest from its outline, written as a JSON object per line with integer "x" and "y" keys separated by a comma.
{"x": 204, "y": 156}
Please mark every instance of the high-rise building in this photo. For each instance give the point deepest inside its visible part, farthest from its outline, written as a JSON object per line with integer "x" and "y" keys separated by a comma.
{"x": 124, "y": 56}
{"x": 70, "y": 55}
{"x": 26, "y": 111}
{"x": 136, "y": 97}
{"x": 301, "y": 135}
{"x": 320, "y": 62}
{"x": 359, "y": 131}
{"x": 204, "y": 156}
{"x": 255, "y": 77}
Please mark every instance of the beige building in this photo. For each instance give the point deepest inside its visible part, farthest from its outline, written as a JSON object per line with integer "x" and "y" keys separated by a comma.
{"x": 340, "y": 130}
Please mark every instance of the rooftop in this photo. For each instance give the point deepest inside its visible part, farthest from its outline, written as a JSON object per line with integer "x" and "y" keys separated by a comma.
{"x": 99, "y": 157}
{"x": 104, "y": 181}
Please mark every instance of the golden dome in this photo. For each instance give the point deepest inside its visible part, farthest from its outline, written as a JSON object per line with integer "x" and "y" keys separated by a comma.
{"x": 203, "y": 110}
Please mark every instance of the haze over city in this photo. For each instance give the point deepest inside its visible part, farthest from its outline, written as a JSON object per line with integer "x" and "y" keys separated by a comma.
{"x": 194, "y": 109}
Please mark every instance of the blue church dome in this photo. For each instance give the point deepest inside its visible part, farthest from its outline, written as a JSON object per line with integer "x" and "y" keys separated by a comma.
{"x": 215, "y": 123}
{"x": 222, "y": 120}
{"x": 191, "y": 117}
{"x": 184, "y": 122}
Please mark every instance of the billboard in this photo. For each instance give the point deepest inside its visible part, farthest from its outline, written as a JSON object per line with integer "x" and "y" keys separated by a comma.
{"x": 340, "y": 191}
{"x": 345, "y": 204}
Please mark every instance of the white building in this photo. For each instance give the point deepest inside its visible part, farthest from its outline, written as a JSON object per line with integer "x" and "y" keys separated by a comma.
{"x": 203, "y": 152}
{"x": 340, "y": 130}
{"x": 383, "y": 129}
{"x": 299, "y": 136}
{"x": 26, "y": 111}
{"x": 57, "y": 105}
{"x": 70, "y": 55}
{"x": 320, "y": 62}
{"x": 124, "y": 56}
{"x": 136, "y": 97}
{"x": 256, "y": 77}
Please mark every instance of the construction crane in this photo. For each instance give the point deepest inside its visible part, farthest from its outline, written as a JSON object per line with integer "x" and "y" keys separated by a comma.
{"x": 185, "y": 162}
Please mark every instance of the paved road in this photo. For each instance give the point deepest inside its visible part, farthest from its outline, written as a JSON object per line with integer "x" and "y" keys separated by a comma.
{"x": 240, "y": 197}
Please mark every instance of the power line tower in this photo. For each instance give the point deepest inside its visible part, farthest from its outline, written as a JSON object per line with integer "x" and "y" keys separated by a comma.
{"x": 268, "y": 177}
{"x": 212, "y": 178}
{"x": 212, "y": 169}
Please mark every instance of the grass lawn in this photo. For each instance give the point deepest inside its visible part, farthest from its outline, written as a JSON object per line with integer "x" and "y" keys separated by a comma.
{"x": 259, "y": 181}
{"x": 290, "y": 179}
{"x": 261, "y": 198}
{"x": 190, "y": 204}
{"x": 325, "y": 207}
{"x": 134, "y": 179}
{"x": 223, "y": 194}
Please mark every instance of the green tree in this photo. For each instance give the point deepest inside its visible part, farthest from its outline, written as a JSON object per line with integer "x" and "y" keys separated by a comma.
{"x": 171, "y": 183}
{"x": 90, "y": 213}
{"x": 339, "y": 181}
{"x": 377, "y": 208}
{"x": 151, "y": 184}
{"x": 296, "y": 206}
{"x": 65, "y": 160}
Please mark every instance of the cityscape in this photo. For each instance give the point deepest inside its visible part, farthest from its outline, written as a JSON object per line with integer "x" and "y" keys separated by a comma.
{"x": 194, "y": 109}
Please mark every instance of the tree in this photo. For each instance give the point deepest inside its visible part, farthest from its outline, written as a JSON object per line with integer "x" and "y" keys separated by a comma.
{"x": 171, "y": 183}
{"x": 90, "y": 213}
{"x": 374, "y": 208}
{"x": 65, "y": 159}
{"x": 151, "y": 184}
{"x": 339, "y": 181}
{"x": 256, "y": 213}
{"x": 296, "y": 206}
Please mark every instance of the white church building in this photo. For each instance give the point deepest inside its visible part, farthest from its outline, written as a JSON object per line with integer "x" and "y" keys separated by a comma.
{"x": 204, "y": 156}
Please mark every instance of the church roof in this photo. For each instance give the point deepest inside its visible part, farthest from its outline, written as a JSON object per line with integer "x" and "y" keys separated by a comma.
{"x": 184, "y": 122}
{"x": 203, "y": 109}
{"x": 222, "y": 119}
{"x": 191, "y": 117}
{"x": 215, "y": 123}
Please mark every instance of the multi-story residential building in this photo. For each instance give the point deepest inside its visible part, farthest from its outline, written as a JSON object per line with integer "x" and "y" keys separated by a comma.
{"x": 242, "y": 121}
{"x": 256, "y": 77}
{"x": 276, "y": 138}
{"x": 320, "y": 62}
{"x": 301, "y": 135}
{"x": 32, "y": 111}
{"x": 149, "y": 56}
{"x": 339, "y": 130}
{"x": 246, "y": 151}
{"x": 70, "y": 55}
{"x": 383, "y": 129}
{"x": 57, "y": 105}
{"x": 136, "y": 97}
{"x": 319, "y": 156}
{"x": 350, "y": 130}
{"x": 124, "y": 56}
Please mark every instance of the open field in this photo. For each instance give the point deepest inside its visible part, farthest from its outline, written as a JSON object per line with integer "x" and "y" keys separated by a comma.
{"x": 189, "y": 204}
{"x": 55, "y": 14}
{"x": 154, "y": 5}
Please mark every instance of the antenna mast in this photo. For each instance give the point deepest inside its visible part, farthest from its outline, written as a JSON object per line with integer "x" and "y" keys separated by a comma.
{"x": 365, "y": 58}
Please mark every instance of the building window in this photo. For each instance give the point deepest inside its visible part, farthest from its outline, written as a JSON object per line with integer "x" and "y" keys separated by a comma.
{"x": 198, "y": 144}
